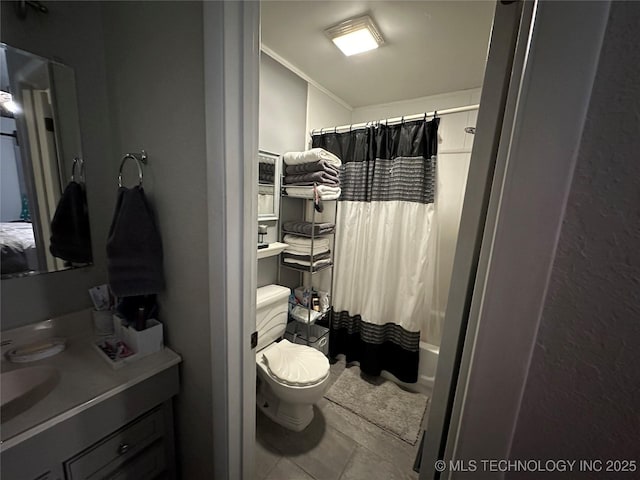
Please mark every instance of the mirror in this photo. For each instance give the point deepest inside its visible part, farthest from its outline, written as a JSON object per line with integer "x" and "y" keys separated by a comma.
{"x": 41, "y": 153}
{"x": 268, "y": 185}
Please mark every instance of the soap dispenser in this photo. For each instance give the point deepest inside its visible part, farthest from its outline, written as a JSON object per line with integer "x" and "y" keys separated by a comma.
{"x": 262, "y": 231}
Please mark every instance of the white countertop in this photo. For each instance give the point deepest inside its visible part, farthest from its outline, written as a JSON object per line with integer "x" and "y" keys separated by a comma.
{"x": 274, "y": 248}
{"x": 85, "y": 378}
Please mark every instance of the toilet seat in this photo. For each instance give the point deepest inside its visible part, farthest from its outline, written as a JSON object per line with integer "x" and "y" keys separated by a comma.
{"x": 295, "y": 365}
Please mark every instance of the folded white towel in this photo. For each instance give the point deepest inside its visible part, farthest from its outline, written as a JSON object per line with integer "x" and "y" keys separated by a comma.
{"x": 313, "y": 155}
{"x": 326, "y": 192}
{"x": 306, "y": 252}
{"x": 305, "y": 263}
{"x": 304, "y": 244}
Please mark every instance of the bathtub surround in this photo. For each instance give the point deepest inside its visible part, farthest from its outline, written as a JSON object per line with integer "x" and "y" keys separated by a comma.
{"x": 382, "y": 286}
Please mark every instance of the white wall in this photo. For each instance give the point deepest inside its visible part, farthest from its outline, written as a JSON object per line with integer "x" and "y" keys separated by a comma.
{"x": 581, "y": 397}
{"x": 324, "y": 111}
{"x": 282, "y": 123}
{"x": 155, "y": 75}
{"x": 451, "y": 126}
{"x": 283, "y": 107}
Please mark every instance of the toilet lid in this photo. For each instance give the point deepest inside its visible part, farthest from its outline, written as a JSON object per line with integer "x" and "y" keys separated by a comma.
{"x": 296, "y": 364}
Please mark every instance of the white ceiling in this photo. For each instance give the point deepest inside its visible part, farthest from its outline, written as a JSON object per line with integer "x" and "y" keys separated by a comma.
{"x": 431, "y": 47}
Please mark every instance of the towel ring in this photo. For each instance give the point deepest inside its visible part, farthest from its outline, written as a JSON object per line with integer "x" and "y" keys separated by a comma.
{"x": 77, "y": 161}
{"x": 139, "y": 159}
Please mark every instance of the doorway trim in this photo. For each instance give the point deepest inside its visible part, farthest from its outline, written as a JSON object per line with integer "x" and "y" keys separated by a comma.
{"x": 550, "y": 102}
{"x": 231, "y": 73}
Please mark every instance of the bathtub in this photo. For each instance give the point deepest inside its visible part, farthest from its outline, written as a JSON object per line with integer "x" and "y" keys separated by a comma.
{"x": 426, "y": 370}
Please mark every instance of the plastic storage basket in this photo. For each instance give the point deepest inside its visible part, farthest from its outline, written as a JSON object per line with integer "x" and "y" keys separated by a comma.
{"x": 318, "y": 336}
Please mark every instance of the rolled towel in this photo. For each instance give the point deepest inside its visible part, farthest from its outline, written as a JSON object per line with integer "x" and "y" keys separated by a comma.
{"x": 319, "y": 166}
{"x": 307, "y": 228}
{"x": 313, "y": 155}
{"x": 324, "y": 178}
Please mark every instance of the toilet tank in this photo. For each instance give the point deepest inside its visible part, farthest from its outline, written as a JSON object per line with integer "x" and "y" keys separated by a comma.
{"x": 271, "y": 314}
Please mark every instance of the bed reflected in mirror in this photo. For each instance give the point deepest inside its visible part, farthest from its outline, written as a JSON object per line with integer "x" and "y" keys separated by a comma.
{"x": 44, "y": 223}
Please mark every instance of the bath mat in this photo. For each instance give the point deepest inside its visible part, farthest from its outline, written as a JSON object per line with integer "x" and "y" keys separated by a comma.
{"x": 380, "y": 402}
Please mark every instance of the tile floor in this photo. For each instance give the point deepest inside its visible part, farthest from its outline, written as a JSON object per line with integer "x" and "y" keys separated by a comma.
{"x": 338, "y": 445}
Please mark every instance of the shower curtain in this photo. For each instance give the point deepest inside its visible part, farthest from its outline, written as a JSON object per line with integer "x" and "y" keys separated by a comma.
{"x": 383, "y": 282}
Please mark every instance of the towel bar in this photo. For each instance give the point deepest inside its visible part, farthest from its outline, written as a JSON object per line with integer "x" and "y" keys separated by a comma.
{"x": 139, "y": 158}
{"x": 77, "y": 161}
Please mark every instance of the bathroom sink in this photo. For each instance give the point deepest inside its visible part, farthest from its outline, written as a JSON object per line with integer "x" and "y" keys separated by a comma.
{"x": 21, "y": 389}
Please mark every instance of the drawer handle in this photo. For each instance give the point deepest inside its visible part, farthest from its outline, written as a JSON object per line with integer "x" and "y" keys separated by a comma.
{"x": 123, "y": 448}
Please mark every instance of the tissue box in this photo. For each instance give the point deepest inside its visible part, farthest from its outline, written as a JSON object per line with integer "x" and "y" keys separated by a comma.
{"x": 144, "y": 342}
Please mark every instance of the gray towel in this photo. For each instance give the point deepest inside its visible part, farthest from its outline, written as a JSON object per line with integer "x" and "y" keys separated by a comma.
{"x": 323, "y": 177}
{"x": 134, "y": 247}
{"x": 70, "y": 233}
{"x": 306, "y": 228}
{"x": 319, "y": 166}
{"x": 307, "y": 258}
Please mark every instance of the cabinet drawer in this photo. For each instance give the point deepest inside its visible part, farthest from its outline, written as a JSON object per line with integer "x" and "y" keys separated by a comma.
{"x": 104, "y": 458}
{"x": 145, "y": 466}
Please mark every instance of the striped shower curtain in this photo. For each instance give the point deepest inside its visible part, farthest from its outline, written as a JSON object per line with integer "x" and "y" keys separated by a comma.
{"x": 383, "y": 282}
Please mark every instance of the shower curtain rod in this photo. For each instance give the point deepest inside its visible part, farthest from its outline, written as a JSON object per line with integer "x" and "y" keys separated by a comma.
{"x": 405, "y": 118}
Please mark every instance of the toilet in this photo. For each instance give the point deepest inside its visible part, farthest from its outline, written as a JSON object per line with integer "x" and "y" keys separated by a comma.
{"x": 292, "y": 377}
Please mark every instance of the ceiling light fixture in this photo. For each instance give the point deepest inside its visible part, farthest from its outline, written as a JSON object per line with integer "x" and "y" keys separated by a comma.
{"x": 355, "y": 36}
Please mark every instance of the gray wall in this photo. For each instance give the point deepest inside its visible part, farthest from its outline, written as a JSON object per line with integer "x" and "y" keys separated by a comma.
{"x": 581, "y": 399}
{"x": 283, "y": 107}
{"x": 283, "y": 118}
{"x": 72, "y": 34}
{"x": 11, "y": 201}
{"x": 154, "y": 54}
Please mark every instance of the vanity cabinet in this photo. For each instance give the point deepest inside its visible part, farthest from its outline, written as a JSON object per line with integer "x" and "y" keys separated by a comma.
{"x": 136, "y": 451}
{"x": 126, "y": 436}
